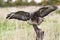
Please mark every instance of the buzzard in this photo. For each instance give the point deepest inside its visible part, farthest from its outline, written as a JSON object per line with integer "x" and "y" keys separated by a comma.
{"x": 34, "y": 18}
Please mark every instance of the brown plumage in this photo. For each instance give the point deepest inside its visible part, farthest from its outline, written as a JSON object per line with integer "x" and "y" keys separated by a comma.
{"x": 34, "y": 18}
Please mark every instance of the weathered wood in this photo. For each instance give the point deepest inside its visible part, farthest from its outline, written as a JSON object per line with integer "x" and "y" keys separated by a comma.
{"x": 39, "y": 33}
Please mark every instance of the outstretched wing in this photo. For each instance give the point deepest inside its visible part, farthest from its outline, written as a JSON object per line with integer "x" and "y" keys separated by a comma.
{"x": 44, "y": 11}
{"x": 20, "y": 15}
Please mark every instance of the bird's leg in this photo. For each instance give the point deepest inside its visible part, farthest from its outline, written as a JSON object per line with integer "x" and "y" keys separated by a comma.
{"x": 39, "y": 33}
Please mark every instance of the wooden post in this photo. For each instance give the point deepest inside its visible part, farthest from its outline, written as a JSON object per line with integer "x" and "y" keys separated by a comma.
{"x": 39, "y": 33}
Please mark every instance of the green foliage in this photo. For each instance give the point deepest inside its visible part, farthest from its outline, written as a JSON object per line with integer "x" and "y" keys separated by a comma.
{"x": 32, "y": 3}
{"x": 51, "y": 2}
{"x": 58, "y": 11}
{"x": 20, "y": 3}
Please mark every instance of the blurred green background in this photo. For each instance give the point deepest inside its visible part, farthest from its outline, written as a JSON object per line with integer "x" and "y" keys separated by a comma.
{"x": 5, "y": 3}
{"x": 19, "y": 30}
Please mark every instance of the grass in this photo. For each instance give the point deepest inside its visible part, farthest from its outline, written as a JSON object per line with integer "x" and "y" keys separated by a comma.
{"x": 19, "y": 30}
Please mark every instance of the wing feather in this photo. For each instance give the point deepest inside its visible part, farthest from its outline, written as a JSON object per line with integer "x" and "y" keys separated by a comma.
{"x": 44, "y": 11}
{"x": 20, "y": 15}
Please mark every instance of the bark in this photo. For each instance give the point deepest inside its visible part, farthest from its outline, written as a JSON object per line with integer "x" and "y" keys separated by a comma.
{"x": 39, "y": 33}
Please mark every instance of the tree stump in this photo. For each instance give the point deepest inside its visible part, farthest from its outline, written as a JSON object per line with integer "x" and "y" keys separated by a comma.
{"x": 39, "y": 33}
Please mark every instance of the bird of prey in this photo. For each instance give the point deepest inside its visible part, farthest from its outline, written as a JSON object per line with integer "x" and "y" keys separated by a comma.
{"x": 34, "y": 18}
